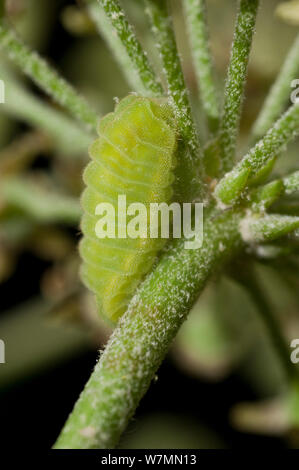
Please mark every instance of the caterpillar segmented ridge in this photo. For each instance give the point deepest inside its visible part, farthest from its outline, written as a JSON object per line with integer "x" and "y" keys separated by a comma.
{"x": 134, "y": 155}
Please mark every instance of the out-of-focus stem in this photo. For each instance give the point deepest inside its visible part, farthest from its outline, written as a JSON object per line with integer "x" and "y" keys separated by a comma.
{"x": 279, "y": 93}
{"x": 39, "y": 203}
{"x": 45, "y": 76}
{"x": 253, "y": 286}
{"x": 65, "y": 134}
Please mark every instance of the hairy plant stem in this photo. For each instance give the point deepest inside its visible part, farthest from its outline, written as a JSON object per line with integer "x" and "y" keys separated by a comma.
{"x": 256, "y": 228}
{"x": 235, "y": 82}
{"x": 291, "y": 183}
{"x": 144, "y": 335}
{"x": 190, "y": 174}
{"x": 265, "y": 196}
{"x": 117, "y": 47}
{"x": 279, "y": 93}
{"x": 126, "y": 35}
{"x": 285, "y": 130}
{"x": 195, "y": 13}
{"x": 45, "y": 76}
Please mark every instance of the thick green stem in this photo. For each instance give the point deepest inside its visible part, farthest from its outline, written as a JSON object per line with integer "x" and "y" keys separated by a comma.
{"x": 144, "y": 335}
{"x": 190, "y": 174}
{"x": 132, "y": 47}
{"x": 46, "y": 77}
{"x": 195, "y": 12}
{"x": 283, "y": 132}
{"x": 236, "y": 79}
{"x": 279, "y": 94}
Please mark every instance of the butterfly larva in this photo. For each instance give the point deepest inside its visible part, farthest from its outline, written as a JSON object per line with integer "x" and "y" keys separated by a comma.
{"x": 133, "y": 156}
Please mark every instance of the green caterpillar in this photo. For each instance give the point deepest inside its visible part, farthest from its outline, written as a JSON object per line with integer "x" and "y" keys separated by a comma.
{"x": 133, "y": 156}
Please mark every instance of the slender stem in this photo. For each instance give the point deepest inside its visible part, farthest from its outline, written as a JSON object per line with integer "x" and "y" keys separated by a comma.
{"x": 265, "y": 196}
{"x": 279, "y": 93}
{"x": 45, "y": 76}
{"x": 144, "y": 335}
{"x": 126, "y": 35}
{"x": 253, "y": 285}
{"x": 190, "y": 176}
{"x": 195, "y": 13}
{"x": 284, "y": 131}
{"x": 291, "y": 183}
{"x": 257, "y": 229}
{"x": 236, "y": 79}
{"x": 39, "y": 203}
{"x": 116, "y": 46}
{"x": 65, "y": 134}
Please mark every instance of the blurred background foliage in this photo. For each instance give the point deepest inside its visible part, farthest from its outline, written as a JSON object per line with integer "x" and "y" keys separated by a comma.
{"x": 223, "y": 384}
